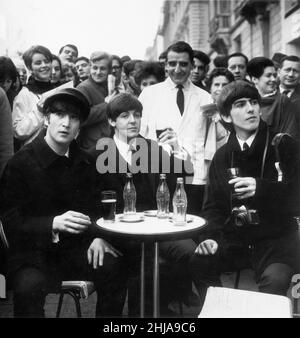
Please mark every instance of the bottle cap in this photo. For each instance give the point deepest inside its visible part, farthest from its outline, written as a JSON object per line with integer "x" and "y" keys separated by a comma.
{"x": 162, "y": 175}
{"x": 129, "y": 175}
{"x": 179, "y": 179}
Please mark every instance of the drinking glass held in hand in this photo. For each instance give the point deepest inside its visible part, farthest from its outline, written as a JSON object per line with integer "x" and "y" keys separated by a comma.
{"x": 233, "y": 173}
{"x": 108, "y": 200}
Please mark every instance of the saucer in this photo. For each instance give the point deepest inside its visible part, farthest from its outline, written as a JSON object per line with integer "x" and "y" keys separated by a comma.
{"x": 132, "y": 218}
{"x": 189, "y": 218}
{"x": 150, "y": 213}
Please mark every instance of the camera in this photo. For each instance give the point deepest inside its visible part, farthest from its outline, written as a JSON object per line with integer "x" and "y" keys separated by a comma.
{"x": 243, "y": 216}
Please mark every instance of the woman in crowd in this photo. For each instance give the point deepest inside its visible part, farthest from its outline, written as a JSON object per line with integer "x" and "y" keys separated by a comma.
{"x": 57, "y": 74}
{"x": 216, "y": 134}
{"x": 27, "y": 119}
{"x": 149, "y": 73}
{"x": 22, "y": 71}
{"x": 217, "y": 79}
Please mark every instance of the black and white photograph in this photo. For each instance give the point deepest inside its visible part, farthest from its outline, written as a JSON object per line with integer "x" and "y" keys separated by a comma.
{"x": 149, "y": 162}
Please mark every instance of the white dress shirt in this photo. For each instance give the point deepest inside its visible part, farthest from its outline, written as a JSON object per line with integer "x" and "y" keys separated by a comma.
{"x": 124, "y": 149}
{"x": 160, "y": 111}
{"x": 249, "y": 140}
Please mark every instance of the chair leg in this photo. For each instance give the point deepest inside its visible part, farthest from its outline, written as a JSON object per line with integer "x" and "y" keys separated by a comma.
{"x": 75, "y": 296}
{"x": 237, "y": 279}
{"x": 61, "y": 297}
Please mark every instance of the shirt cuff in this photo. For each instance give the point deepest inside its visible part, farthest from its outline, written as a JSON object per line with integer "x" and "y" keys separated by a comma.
{"x": 55, "y": 237}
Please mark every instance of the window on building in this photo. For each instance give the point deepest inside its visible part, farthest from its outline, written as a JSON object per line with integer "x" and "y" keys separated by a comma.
{"x": 224, "y": 6}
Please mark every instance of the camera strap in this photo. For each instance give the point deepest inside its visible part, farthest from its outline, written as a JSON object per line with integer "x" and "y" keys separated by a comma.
{"x": 265, "y": 154}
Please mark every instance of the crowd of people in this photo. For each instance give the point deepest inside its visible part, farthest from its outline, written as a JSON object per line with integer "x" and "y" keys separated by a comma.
{"x": 203, "y": 117}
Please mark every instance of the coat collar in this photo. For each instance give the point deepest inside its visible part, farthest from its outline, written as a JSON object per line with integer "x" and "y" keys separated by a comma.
{"x": 46, "y": 156}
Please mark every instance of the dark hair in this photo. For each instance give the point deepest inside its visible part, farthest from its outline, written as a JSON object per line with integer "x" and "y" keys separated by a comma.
{"x": 233, "y": 91}
{"x": 37, "y": 49}
{"x": 277, "y": 57}
{"x": 121, "y": 103}
{"x": 129, "y": 66}
{"x": 257, "y": 65}
{"x": 219, "y": 72}
{"x": 181, "y": 47}
{"x": 150, "y": 68}
{"x": 202, "y": 57}
{"x": 71, "y": 46}
{"x": 220, "y": 61}
{"x": 83, "y": 58}
{"x": 116, "y": 57}
{"x": 292, "y": 58}
{"x": 125, "y": 58}
{"x": 237, "y": 55}
{"x": 163, "y": 55}
{"x": 55, "y": 57}
{"x": 7, "y": 69}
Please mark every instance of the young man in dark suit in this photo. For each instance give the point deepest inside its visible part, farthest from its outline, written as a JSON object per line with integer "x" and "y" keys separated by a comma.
{"x": 250, "y": 217}
{"x": 127, "y": 151}
{"x": 48, "y": 201}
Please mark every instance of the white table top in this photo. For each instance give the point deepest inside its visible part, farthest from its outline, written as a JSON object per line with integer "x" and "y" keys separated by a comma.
{"x": 152, "y": 226}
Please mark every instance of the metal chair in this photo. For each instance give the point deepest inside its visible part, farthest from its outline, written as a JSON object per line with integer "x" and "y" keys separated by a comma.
{"x": 77, "y": 290}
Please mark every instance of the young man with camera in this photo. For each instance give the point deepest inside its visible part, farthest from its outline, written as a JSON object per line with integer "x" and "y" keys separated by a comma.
{"x": 251, "y": 216}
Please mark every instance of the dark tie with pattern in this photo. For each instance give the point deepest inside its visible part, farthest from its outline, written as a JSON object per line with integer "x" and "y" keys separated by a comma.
{"x": 180, "y": 98}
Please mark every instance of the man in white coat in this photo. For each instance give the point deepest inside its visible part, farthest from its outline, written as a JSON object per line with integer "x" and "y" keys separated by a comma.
{"x": 172, "y": 109}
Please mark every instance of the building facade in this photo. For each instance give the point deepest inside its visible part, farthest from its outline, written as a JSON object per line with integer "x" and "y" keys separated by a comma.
{"x": 255, "y": 27}
{"x": 221, "y": 27}
{"x": 185, "y": 20}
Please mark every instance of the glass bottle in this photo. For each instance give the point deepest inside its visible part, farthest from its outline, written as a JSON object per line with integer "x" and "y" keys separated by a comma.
{"x": 129, "y": 196}
{"x": 162, "y": 197}
{"x": 179, "y": 203}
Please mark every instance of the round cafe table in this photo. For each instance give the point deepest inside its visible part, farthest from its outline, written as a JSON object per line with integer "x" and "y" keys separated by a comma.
{"x": 154, "y": 230}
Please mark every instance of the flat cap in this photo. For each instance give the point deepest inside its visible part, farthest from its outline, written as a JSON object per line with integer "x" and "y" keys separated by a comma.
{"x": 71, "y": 95}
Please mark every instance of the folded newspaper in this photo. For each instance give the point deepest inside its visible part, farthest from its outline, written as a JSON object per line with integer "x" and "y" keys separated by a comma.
{"x": 232, "y": 303}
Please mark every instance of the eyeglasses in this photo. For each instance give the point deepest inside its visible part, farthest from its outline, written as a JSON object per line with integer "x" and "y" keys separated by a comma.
{"x": 182, "y": 64}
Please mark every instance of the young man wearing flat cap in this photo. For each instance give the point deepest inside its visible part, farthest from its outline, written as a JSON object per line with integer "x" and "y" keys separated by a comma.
{"x": 48, "y": 202}
{"x": 250, "y": 217}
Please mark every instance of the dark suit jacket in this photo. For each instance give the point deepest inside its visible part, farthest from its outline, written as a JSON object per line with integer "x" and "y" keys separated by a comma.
{"x": 38, "y": 185}
{"x": 150, "y": 159}
{"x": 296, "y": 94}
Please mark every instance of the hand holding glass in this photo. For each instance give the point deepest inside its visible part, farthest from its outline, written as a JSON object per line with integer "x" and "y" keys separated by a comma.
{"x": 233, "y": 173}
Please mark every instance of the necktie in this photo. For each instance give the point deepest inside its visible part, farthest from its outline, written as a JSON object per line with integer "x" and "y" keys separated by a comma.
{"x": 180, "y": 98}
{"x": 245, "y": 147}
{"x": 286, "y": 92}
